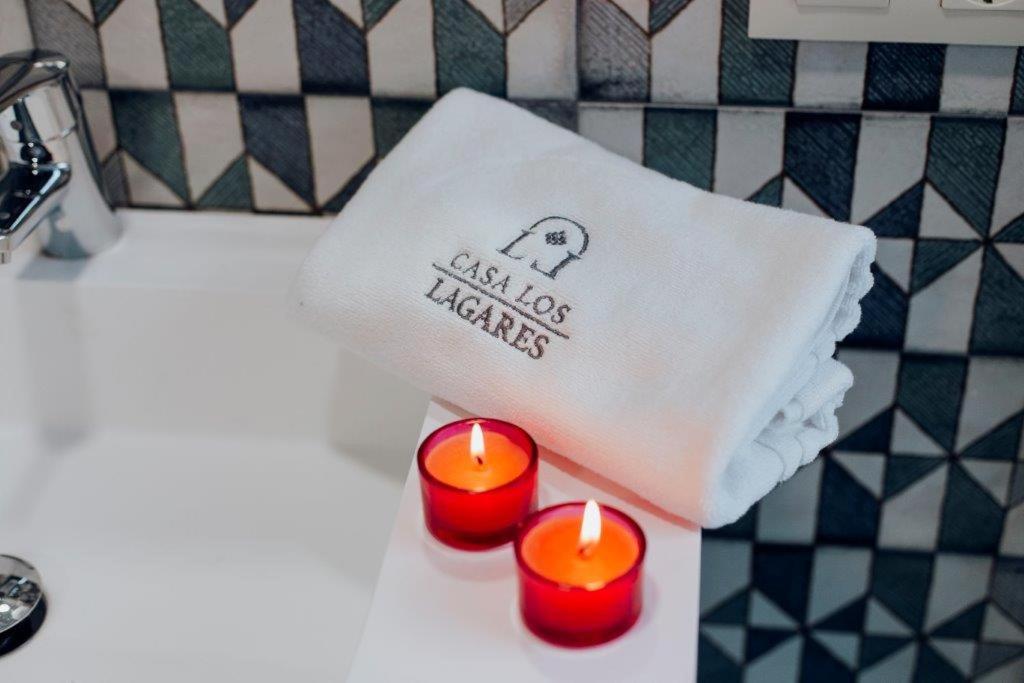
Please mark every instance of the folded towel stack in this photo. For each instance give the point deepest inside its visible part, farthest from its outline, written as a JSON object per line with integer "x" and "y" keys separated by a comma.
{"x": 677, "y": 342}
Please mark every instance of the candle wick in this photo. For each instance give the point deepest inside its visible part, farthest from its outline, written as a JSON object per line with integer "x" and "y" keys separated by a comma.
{"x": 479, "y": 460}
{"x": 585, "y": 550}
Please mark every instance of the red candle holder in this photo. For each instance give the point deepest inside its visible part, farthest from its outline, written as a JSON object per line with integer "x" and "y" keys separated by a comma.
{"x": 475, "y": 518}
{"x": 563, "y": 611}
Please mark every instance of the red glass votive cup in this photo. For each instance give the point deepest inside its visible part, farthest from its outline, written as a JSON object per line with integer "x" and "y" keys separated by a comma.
{"x": 477, "y": 519}
{"x": 574, "y": 615}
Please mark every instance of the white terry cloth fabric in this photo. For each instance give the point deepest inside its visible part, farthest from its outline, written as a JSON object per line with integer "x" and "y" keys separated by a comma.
{"x": 674, "y": 341}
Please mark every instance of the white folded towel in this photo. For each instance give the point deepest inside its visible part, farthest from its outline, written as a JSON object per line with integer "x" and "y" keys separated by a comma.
{"x": 677, "y": 342}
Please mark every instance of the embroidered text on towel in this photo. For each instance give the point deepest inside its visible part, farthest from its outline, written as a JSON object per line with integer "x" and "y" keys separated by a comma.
{"x": 506, "y": 307}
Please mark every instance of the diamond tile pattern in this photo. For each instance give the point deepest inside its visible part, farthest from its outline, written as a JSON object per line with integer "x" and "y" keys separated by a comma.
{"x": 897, "y": 556}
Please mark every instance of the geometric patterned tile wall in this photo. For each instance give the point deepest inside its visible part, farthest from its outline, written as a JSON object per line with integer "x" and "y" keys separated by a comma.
{"x": 899, "y": 554}
{"x": 271, "y": 105}
{"x": 697, "y": 51}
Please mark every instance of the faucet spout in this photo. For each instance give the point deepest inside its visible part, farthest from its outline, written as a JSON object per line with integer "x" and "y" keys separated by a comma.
{"x": 50, "y": 179}
{"x": 28, "y": 196}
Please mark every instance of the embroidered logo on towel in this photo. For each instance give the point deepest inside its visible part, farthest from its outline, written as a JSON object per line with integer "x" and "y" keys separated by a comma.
{"x": 553, "y": 243}
{"x": 502, "y": 303}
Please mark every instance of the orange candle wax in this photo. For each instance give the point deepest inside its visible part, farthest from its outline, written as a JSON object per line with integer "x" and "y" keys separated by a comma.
{"x": 580, "y": 569}
{"x": 551, "y": 549}
{"x": 500, "y": 461}
{"x": 478, "y": 480}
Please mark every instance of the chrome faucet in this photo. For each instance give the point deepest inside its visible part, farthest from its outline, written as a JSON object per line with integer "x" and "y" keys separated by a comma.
{"x": 49, "y": 176}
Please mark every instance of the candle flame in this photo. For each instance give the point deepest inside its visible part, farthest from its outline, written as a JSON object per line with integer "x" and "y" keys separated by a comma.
{"x": 590, "y": 530}
{"x": 476, "y": 443}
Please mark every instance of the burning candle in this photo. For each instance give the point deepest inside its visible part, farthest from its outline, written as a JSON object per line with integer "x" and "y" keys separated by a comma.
{"x": 478, "y": 478}
{"x": 580, "y": 568}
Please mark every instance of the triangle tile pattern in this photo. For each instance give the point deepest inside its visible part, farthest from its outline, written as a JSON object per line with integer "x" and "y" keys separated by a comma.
{"x": 493, "y": 10}
{"x": 145, "y": 188}
{"x": 374, "y": 11}
{"x": 866, "y": 469}
{"x": 940, "y": 220}
{"x": 820, "y": 156}
{"x": 931, "y": 666}
{"x": 614, "y": 52}
{"x": 971, "y": 518}
{"x": 715, "y": 665}
{"x": 876, "y": 648}
{"x": 993, "y": 655}
{"x": 752, "y": 70}
{"x": 966, "y": 625}
{"x": 392, "y": 120}
{"x": 101, "y": 9}
{"x": 332, "y": 49}
{"x": 900, "y": 584}
{"x": 1000, "y": 628}
{"x": 795, "y": 199}
{"x": 729, "y": 639}
{"x": 901, "y": 217}
{"x": 998, "y": 318}
{"x": 847, "y": 511}
{"x": 930, "y": 390}
{"x": 516, "y": 11}
{"x": 1017, "y": 97}
{"x": 902, "y": 471}
{"x": 880, "y": 620}
{"x": 114, "y": 180}
{"x": 84, "y": 7}
{"x": 470, "y": 51}
{"x": 232, "y": 190}
{"x": 277, "y": 137}
{"x": 994, "y": 477}
{"x": 732, "y": 611}
{"x": 872, "y": 436}
{"x": 146, "y": 129}
{"x": 1013, "y": 254}
{"x": 196, "y": 47}
{"x": 564, "y": 114}
{"x": 770, "y": 194}
{"x": 849, "y": 618}
{"x": 894, "y": 257}
{"x": 1013, "y": 232}
{"x": 963, "y": 164}
{"x": 908, "y": 438}
{"x": 338, "y": 201}
{"x": 901, "y": 76}
{"x": 663, "y": 12}
{"x": 933, "y": 258}
{"x": 884, "y": 314}
{"x": 679, "y": 143}
{"x": 782, "y": 574}
{"x": 269, "y": 193}
{"x": 762, "y": 640}
{"x": 830, "y": 656}
{"x": 638, "y": 10}
{"x": 57, "y": 24}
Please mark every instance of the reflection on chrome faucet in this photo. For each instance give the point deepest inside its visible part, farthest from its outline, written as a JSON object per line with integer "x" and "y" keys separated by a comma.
{"x": 50, "y": 176}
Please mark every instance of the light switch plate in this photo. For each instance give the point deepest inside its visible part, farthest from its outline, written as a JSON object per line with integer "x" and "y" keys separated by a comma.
{"x": 843, "y": 3}
{"x": 440, "y": 614}
{"x": 992, "y": 5}
{"x": 967, "y": 22}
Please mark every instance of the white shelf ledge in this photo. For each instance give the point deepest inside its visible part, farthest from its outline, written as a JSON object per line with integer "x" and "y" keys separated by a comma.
{"x": 443, "y": 614}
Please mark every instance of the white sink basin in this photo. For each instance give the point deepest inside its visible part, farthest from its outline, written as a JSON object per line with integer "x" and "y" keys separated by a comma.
{"x": 206, "y": 487}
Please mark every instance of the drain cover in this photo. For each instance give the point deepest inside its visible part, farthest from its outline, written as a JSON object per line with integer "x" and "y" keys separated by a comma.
{"x": 22, "y": 605}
